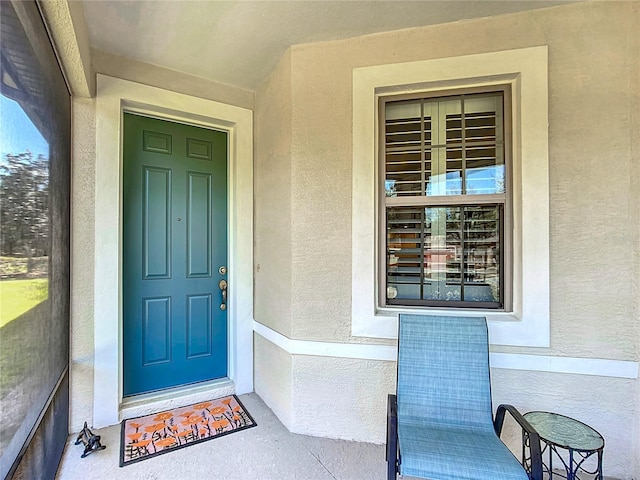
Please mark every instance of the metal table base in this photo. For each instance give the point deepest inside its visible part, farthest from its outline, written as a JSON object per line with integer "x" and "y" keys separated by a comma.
{"x": 561, "y": 432}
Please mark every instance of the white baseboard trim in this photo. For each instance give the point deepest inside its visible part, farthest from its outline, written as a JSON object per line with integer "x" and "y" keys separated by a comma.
{"x": 511, "y": 361}
{"x": 578, "y": 366}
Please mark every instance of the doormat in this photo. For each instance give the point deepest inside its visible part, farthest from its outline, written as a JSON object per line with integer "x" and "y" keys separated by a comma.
{"x": 146, "y": 437}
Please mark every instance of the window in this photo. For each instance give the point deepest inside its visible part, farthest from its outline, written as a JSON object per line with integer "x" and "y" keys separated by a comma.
{"x": 445, "y": 199}
{"x": 524, "y": 317}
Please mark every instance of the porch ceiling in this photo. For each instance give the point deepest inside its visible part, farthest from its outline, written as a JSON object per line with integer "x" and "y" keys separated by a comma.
{"x": 239, "y": 42}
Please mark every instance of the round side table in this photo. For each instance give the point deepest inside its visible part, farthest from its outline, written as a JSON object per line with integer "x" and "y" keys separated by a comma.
{"x": 558, "y": 431}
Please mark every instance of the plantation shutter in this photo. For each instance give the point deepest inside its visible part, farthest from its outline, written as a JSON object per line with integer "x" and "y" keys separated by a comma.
{"x": 445, "y": 196}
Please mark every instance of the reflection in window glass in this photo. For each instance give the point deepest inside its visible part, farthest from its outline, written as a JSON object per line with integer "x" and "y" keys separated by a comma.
{"x": 448, "y": 254}
{"x": 445, "y": 198}
{"x": 445, "y": 146}
{"x": 34, "y": 232}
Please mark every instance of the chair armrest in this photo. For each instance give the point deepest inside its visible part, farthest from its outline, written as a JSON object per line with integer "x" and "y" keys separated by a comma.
{"x": 534, "y": 438}
{"x": 517, "y": 416}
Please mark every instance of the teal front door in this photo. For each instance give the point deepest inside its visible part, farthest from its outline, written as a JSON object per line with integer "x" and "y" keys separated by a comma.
{"x": 174, "y": 254}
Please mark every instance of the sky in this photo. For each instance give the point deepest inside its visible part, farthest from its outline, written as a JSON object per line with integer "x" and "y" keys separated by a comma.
{"x": 17, "y": 133}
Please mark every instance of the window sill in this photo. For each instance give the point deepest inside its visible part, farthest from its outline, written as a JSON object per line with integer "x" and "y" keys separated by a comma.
{"x": 505, "y": 328}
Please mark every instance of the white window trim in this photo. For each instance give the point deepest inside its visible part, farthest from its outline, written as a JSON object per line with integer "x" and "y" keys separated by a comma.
{"x": 527, "y": 323}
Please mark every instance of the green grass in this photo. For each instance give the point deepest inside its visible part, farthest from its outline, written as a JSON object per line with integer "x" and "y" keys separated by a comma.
{"x": 20, "y": 296}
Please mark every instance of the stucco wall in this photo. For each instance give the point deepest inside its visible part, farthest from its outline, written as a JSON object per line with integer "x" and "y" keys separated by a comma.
{"x": 593, "y": 82}
{"x": 273, "y": 216}
{"x": 594, "y": 221}
{"x": 273, "y": 378}
{"x": 607, "y": 404}
{"x": 634, "y": 204}
{"x": 341, "y": 397}
{"x": 82, "y": 265}
{"x": 68, "y": 28}
{"x": 155, "y": 76}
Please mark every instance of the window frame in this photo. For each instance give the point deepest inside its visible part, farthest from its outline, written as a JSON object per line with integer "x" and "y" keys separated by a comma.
{"x": 526, "y": 70}
{"x": 506, "y": 227}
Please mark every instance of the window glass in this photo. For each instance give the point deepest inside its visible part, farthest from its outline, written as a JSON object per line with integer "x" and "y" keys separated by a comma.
{"x": 445, "y": 146}
{"x": 34, "y": 228}
{"x": 444, "y": 254}
{"x": 445, "y": 196}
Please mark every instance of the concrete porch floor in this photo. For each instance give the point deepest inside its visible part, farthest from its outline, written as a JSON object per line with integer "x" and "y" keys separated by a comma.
{"x": 268, "y": 451}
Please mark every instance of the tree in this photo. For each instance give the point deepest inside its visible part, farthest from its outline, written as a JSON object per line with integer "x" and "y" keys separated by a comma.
{"x": 24, "y": 205}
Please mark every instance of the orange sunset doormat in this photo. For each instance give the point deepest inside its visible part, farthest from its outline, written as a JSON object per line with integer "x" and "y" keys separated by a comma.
{"x": 146, "y": 437}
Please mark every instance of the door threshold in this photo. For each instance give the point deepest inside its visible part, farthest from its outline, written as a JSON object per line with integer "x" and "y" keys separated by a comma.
{"x": 154, "y": 402}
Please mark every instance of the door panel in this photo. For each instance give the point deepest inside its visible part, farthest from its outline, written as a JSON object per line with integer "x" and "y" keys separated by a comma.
{"x": 174, "y": 241}
{"x": 198, "y": 325}
{"x": 156, "y": 330}
{"x": 199, "y": 225}
{"x": 157, "y": 224}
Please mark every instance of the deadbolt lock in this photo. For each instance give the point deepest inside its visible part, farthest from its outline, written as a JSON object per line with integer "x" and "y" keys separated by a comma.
{"x": 222, "y": 270}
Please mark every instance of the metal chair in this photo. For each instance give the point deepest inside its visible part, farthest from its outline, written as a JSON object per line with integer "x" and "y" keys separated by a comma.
{"x": 440, "y": 424}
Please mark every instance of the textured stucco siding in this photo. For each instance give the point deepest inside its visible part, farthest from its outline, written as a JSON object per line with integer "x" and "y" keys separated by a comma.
{"x": 155, "y": 76}
{"x": 607, "y": 404}
{"x": 82, "y": 265}
{"x": 634, "y": 205}
{"x": 321, "y": 194}
{"x": 341, "y": 397}
{"x": 273, "y": 203}
{"x": 68, "y": 28}
{"x": 273, "y": 378}
{"x": 591, "y": 89}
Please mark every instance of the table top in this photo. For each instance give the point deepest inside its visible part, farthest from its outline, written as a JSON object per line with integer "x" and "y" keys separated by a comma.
{"x": 564, "y": 431}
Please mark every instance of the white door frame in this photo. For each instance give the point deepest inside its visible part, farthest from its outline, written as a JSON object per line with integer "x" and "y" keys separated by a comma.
{"x": 114, "y": 96}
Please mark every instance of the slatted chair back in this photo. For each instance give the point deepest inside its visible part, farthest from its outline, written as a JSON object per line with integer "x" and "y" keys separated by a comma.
{"x": 443, "y": 372}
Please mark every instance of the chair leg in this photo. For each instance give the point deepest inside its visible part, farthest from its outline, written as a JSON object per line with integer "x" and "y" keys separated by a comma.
{"x": 392, "y": 438}
{"x": 391, "y": 469}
